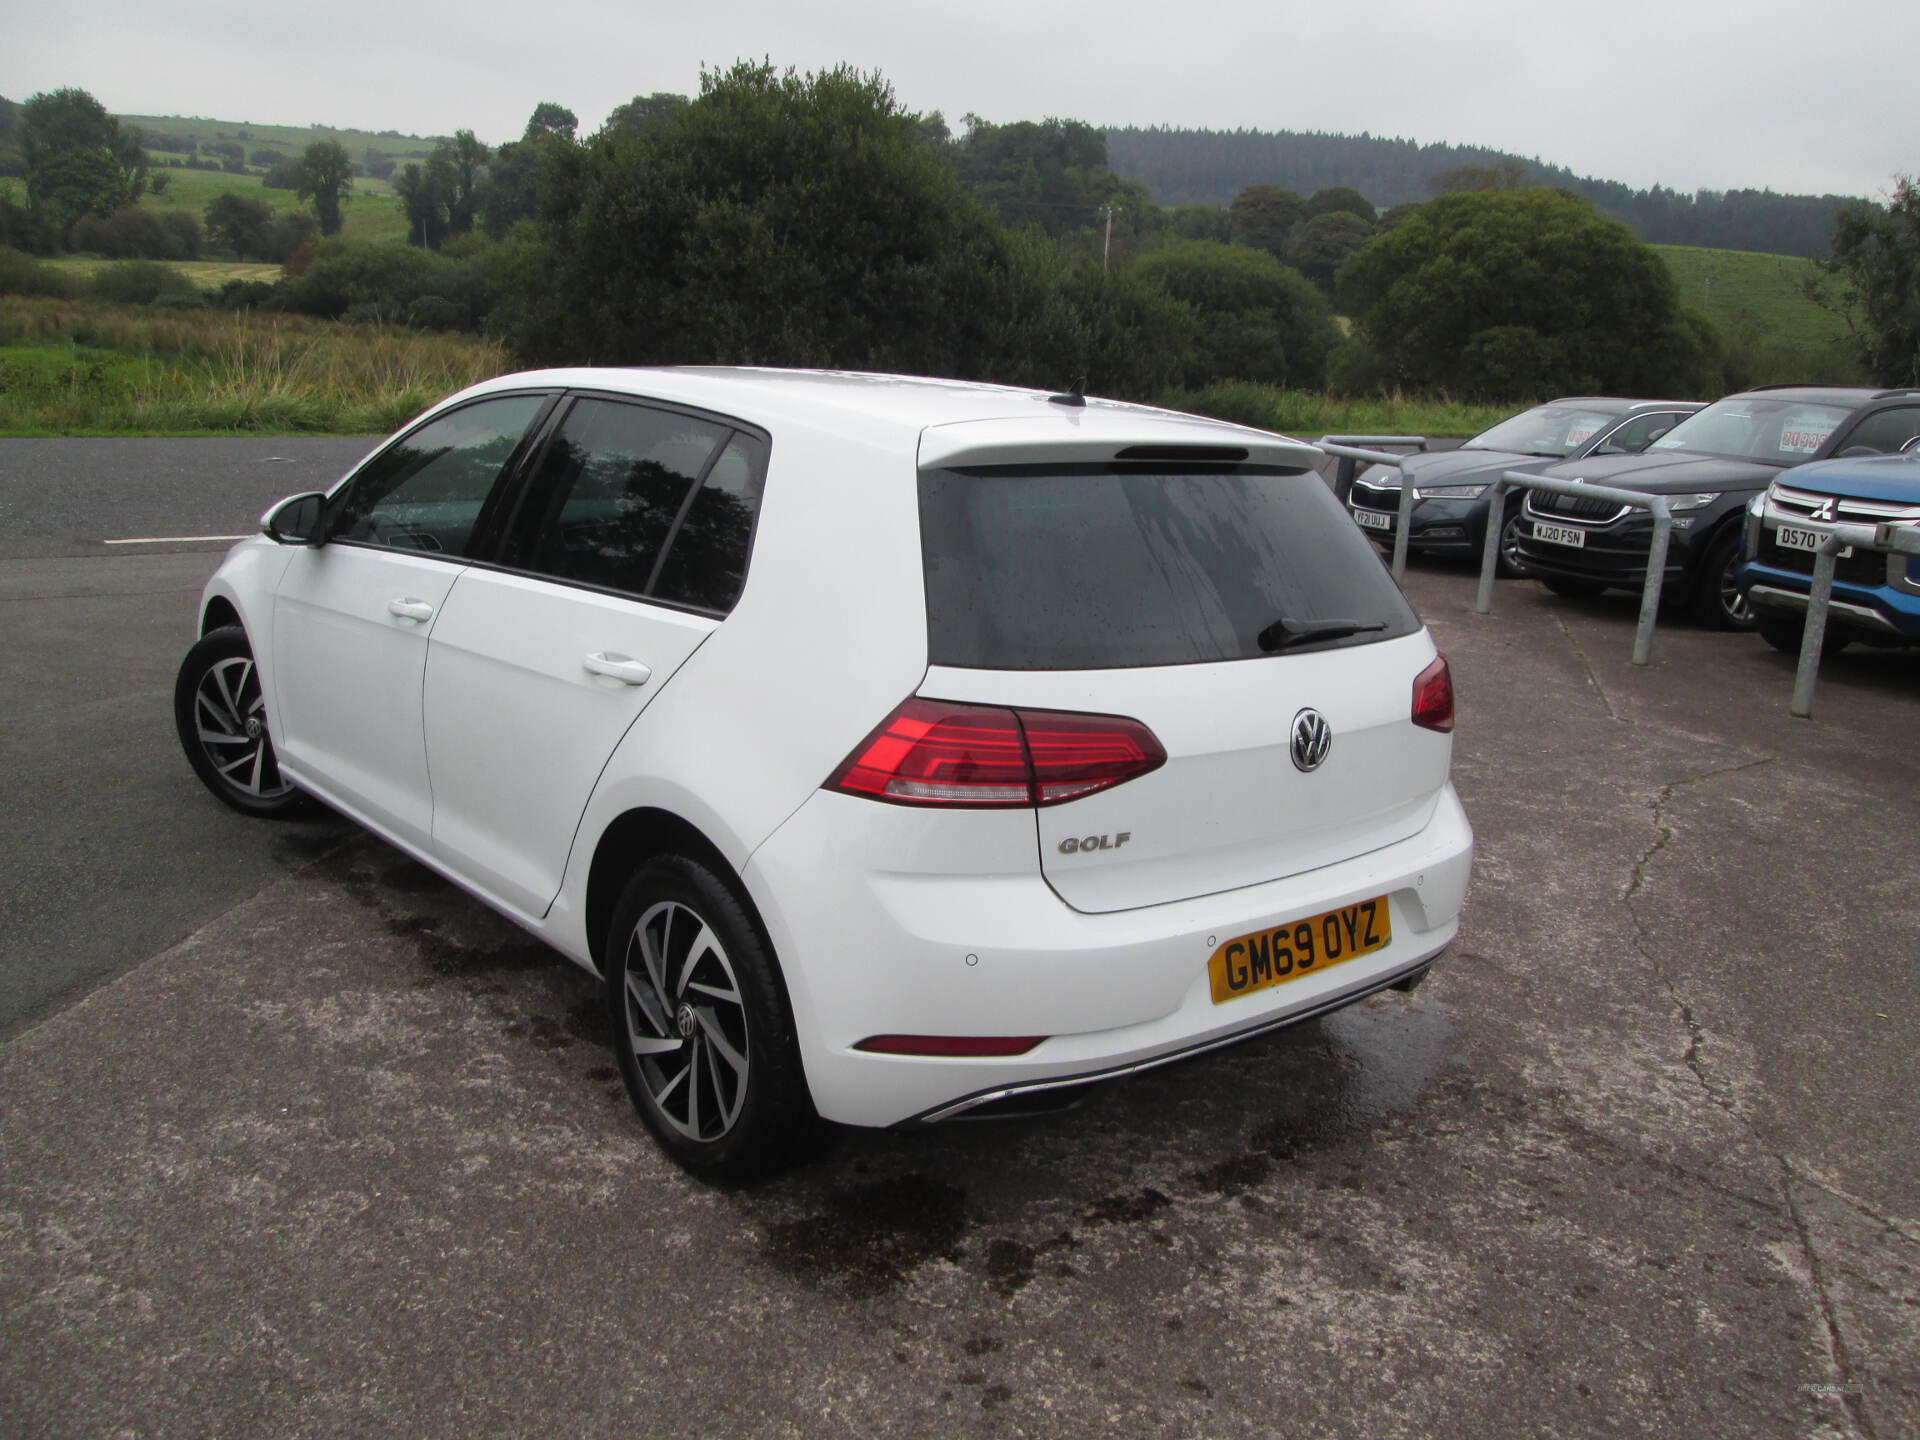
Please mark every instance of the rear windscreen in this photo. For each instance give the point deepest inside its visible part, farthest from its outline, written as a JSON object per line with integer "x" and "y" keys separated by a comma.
{"x": 1094, "y": 568}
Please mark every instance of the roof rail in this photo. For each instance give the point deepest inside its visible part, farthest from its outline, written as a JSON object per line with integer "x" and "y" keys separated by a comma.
{"x": 1789, "y": 385}
{"x": 1902, "y": 390}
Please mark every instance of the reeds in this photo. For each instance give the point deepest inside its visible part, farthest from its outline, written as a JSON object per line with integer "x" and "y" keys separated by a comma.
{"x": 110, "y": 370}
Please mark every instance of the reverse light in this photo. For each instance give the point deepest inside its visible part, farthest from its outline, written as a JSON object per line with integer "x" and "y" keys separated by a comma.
{"x": 964, "y": 1046}
{"x": 1433, "y": 697}
{"x": 940, "y": 752}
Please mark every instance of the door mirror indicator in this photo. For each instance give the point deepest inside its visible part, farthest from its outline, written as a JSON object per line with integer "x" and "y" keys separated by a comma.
{"x": 297, "y": 520}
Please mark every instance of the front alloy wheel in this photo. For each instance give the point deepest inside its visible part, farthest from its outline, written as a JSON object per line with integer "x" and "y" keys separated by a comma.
{"x": 220, "y": 712}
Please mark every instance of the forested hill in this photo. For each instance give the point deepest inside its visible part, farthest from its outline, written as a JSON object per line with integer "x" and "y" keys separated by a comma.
{"x": 1210, "y": 167}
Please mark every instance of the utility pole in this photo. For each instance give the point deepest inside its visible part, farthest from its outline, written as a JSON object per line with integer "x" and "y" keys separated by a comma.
{"x": 1106, "y": 248}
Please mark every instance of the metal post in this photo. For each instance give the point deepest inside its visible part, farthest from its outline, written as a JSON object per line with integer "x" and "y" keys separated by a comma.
{"x": 1490, "y": 553}
{"x": 1813, "y": 634}
{"x": 1656, "y": 577}
{"x": 1404, "y": 524}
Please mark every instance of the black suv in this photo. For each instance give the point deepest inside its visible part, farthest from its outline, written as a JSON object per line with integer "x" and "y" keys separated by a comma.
{"x": 1450, "y": 486}
{"x": 1708, "y": 467}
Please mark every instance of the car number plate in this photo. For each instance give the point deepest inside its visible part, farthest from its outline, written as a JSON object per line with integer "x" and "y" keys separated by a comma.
{"x": 1790, "y": 538}
{"x": 1372, "y": 519}
{"x": 1560, "y": 535}
{"x": 1267, "y": 958}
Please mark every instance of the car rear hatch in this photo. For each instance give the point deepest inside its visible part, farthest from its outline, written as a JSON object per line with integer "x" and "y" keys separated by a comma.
{"x": 1221, "y": 600}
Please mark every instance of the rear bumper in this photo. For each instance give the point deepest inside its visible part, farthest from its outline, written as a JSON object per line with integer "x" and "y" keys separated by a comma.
{"x": 867, "y": 949}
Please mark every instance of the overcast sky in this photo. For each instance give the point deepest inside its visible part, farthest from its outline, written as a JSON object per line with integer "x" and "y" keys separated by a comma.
{"x": 1685, "y": 93}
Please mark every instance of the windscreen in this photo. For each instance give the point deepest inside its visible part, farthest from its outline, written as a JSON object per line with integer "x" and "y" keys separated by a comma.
{"x": 1555, "y": 430}
{"x": 1755, "y": 427}
{"x": 1093, "y": 568}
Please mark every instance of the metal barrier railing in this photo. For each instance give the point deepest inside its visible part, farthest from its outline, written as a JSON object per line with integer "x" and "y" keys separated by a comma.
{"x": 1656, "y": 505}
{"x": 1353, "y": 448}
{"x": 1894, "y": 537}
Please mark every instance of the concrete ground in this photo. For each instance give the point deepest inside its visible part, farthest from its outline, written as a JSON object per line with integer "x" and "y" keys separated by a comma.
{"x": 1640, "y": 1159}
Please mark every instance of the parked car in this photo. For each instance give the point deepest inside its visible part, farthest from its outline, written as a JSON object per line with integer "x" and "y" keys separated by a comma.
{"x": 1876, "y": 596}
{"x": 1450, "y": 486}
{"x": 894, "y": 749}
{"x": 1708, "y": 467}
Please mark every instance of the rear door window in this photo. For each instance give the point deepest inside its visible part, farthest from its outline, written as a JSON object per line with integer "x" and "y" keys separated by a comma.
{"x": 1103, "y": 567}
{"x": 610, "y": 485}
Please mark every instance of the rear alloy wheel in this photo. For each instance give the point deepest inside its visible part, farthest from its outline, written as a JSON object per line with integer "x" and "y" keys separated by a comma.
{"x": 701, "y": 1025}
{"x": 1717, "y": 602}
{"x": 1572, "y": 589}
{"x": 220, "y": 712}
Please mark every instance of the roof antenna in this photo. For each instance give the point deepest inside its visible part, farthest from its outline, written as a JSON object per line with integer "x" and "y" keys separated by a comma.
{"x": 1075, "y": 394}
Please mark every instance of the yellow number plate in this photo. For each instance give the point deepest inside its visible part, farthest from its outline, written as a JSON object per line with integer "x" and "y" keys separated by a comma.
{"x": 1267, "y": 958}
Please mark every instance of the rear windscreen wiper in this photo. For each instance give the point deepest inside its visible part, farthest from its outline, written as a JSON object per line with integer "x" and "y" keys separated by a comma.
{"x": 1284, "y": 634}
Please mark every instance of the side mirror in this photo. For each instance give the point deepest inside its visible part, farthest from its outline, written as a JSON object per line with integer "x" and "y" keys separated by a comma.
{"x": 1912, "y": 447}
{"x": 1653, "y": 435}
{"x": 297, "y": 520}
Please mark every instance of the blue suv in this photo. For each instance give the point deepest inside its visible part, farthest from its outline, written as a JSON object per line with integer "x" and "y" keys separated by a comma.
{"x": 1876, "y": 597}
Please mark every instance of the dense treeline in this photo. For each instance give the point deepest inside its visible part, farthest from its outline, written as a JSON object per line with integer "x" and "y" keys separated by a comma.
{"x": 1210, "y": 167}
{"x": 788, "y": 219}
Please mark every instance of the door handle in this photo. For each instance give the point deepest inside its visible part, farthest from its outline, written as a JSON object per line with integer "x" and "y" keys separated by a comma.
{"x": 410, "y": 609}
{"x": 623, "y": 668}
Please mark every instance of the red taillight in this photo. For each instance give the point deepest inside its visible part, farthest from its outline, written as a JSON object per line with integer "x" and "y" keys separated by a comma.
{"x": 1433, "y": 697}
{"x": 939, "y": 752}
{"x": 953, "y": 1045}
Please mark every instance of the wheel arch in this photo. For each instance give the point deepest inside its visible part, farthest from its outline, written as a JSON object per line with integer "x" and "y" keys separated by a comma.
{"x": 218, "y": 612}
{"x": 633, "y": 838}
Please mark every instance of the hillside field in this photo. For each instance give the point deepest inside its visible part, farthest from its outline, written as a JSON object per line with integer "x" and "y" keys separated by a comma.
{"x": 1736, "y": 288}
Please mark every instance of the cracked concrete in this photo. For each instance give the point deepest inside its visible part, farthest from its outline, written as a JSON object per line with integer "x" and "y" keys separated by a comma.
{"x": 1639, "y": 1160}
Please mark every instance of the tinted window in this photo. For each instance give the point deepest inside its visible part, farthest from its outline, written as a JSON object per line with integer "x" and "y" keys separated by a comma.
{"x": 1887, "y": 431}
{"x": 1755, "y": 427}
{"x": 706, "y": 563}
{"x": 1066, "y": 568}
{"x": 424, "y": 491}
{"x": 610, "y": 486}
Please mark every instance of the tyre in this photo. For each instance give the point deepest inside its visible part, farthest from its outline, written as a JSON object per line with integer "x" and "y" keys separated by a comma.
{"x": 1716, "y": 601}
{"x": 1784, "y": 634}
{"x": 220, "y": 712}
{"x": 701, "y": 1025}
{"x": 1510, "y": 565}
{"x": 1572, "y": 589}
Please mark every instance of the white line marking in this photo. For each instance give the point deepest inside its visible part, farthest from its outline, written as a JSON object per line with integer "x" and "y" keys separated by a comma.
{"x": 173, "y": 539}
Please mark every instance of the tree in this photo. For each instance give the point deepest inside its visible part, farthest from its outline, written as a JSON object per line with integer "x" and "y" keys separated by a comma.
{"x": 1263, "y": 216}
{"x": 423, "y": 194}
{"x": 1473, "y": 287}
{"x": 640, "y": 114}
{"x": 1876, "y": 258}
{"x": 1341, "y": 197}
{"x": 787, "y": 219}
{"x": 465, "y": 160}
{"x": 1258, "y": 320}
{"x": 1321, "y": 245}
{"x": 323, "y": 174}
{"x": 553, "y": 120}
{"x": 79, "y": 160}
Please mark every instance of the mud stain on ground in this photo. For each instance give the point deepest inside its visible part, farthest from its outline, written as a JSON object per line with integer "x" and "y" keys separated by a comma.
{"x": 870, "y": 1238}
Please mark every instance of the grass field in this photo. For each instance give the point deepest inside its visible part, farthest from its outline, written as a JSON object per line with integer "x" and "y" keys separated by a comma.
{"x": 78, "y": 368}
{"x": 1309, "y": 414}
{"x": 364, "y": 214}
{"x": 288, "y": 139}
{"x": 207, "y": 274}
{"x": 1738, "y": 289}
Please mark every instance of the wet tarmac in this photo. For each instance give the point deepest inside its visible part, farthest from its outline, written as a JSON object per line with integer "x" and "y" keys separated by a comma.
{"x": 1638, "y": 1160}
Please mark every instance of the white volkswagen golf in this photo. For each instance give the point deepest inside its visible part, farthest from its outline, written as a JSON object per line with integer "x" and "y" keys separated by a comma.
{"x": 895, "y": 749}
